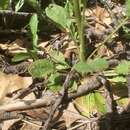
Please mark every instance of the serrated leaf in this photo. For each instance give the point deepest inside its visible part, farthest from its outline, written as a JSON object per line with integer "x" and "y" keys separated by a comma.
{"x": 95, "y": 65}
{"x": 98, "y": 64}
{"x": 93, "y": 102}
{"x": 41, "y": 68}
{"x": 20, "y": 57}
{"x": 82, "y": 67}
{"x": 58, "y": 14}
{"x": 123, "y": 68}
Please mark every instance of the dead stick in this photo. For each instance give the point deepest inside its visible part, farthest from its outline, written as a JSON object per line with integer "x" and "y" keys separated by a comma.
{"x": 59, "y": 100}
{"x": 13, "y": 13}
{"x": 93, "y": 83}
{"x": 28, "y": 104}
{"x": 17, "y": 105}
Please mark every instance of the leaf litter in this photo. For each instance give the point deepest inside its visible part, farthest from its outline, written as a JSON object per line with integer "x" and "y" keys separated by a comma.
{"x": 29, "y": 91}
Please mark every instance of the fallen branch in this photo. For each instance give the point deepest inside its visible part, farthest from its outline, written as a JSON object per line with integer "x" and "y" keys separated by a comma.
{"x": 109, "y": 99}
{"x": 7, "y": 13}
{"x": 13, "y": 32}
{"x": 59, "y": 100}
{"x": 93, "y": 83}
{"x": 28, "y": 104}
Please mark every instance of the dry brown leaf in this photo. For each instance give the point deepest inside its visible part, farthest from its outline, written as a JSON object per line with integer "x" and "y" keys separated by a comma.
{"x": 70, "y": 49}
{"x": 43, "y": 45}
{"x": 7, "y": 124}
{"x": 31, "y": 125}
{"x": 71, "y": 115}
{"x": 14, "y": 47}
{"x": 101, "y": 16}
{"x": 12, "y": 82}
{"x": 119, "y": 47}
{"x": 104, "y": 51}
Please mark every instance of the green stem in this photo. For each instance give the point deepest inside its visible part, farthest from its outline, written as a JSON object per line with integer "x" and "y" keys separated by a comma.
{"x": 80, "y": 29}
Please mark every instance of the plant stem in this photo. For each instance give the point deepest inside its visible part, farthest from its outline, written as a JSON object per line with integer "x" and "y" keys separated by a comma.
{"x": 80, "y": 29}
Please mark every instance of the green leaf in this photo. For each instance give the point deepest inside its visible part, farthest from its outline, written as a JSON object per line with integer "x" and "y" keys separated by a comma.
{"x": 59, "y": 59}
{"x": 93, "y": 102}
{"x": 41, "y": 68}
{"x": 59, "y": 15}
{"x": 100, "y": 102}
{"x": 55, "y": 82}
{"x": 98, "y": 64}
{"x": 126, "y": 32}
{"x": 82, "y": 67}
{"x": 19, "y": 5}
{"x": 33, "y": 3}
{"x": 35, "y": 40}
{"x": 69, "y": 8}
{"x": 74, "y": 86}
{"x": 33, "y": 25}
{"x": 4, "y": 4}
{"x": 33, "y": 54}
{"x": 110, "y": 73}
{"x": 123, "y": 102}
{"x": 58, "y": 56}
{"x": 128, "y": 7}
{"x": 123, "y": 68}
{"x": 118, "y": 79}
{"x": 20, "y": 57}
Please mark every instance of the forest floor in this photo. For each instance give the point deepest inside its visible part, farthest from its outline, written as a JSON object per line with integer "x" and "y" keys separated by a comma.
{"x": 26, "y": 101}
